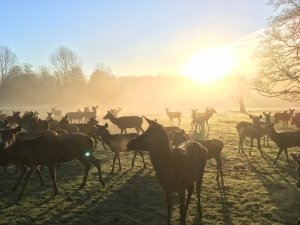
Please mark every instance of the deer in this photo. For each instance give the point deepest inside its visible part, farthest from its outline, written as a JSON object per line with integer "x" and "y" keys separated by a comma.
{"x": 88, "y": 114}
{"x": 49, "y": 117}
{"x": 64, "y": 124}
{"x": 124, "y": 122}
{"x": 14, "y": 119}
{"x": 283, "y": 140}
{"x": 49, "y": 150}
{"x": 78, "y": 115}
{"x": 296, "y": 121}
{"x": 117, "y": 144}
{"x": 176, "y": 169}
{"x": 2, "y": 116}
{"x": 173, "y": 115}
{"x": 198, "y": 120}
{"x": 57, "y": 113}
{"x": 252, "y": 130}
{"x": 214, "y": 148}
{"x": 297, "y": 161}
{"x": 285, "y": 117}
{"x": 115, "y": 112}
{"x": 267, "y": 122}
{"x": 90, "y": 130}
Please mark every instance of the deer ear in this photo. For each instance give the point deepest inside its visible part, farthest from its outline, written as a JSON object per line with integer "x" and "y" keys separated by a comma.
{"x": 182, "y": 131}
{"x": 264, "y": 113}
{"x": 149, "y": 121}
{"x": 296, "y": 158}
{"x": 155, "y": 120}
{"x": 260, "y": 116}
{"x": 106, "y": 125}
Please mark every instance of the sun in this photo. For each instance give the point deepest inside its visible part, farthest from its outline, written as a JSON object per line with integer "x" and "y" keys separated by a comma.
{"x": 210, "y": 65}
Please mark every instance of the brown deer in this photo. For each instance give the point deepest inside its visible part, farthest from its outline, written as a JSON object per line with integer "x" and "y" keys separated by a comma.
{"x": 173, "y": 115}
{"x": 267, "y": 122}
{"x": 78, "y": 115}
{"x": 64, "y": 124}
{"x": 296, "y": 121}
{"x": 285, "y": 117}
{"x": 88, "y": 114}
{"x": 124, "y": 122}
{"x": 252, "y": 130}
{"x": 57, "y": 113}
{"x": 176, "y": 169}
{"x": 14, "y": 119}
{"x": 283, "y": 140}
{"x": 49, "y": 150}
{"x": 49, "y": 117}
{"x": 115, "y": 112}
{"x": 214, "y": 148}
{"x": 117, "y": 143}
{"x": 2, "y": 116}
{"x": 198, "y": 120}
{"x": 297, "y": 161}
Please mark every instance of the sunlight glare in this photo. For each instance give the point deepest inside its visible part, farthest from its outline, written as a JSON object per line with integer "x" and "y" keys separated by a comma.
{"x": 210, "y": 65}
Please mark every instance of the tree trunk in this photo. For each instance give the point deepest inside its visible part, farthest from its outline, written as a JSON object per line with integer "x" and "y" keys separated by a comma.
{"x": 242, "y": 106}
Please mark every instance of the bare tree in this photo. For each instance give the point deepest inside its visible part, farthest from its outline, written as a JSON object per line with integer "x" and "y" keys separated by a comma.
{"x": 63, "y": 61}
{"x": 8, "y": 60}
{"x": 278, "y": 53}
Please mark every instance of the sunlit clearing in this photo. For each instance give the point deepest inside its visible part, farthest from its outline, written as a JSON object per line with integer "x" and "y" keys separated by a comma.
{"x": 210, "y": 65}
{"x": 87, "y": 154}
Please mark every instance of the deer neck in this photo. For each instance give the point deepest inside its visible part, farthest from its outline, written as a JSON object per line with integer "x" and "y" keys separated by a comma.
{"x": 106, "y": 137}
{"x": 272, "y": 134}
{"x": 113, "y": 119}
{"x": 161, "y": 160}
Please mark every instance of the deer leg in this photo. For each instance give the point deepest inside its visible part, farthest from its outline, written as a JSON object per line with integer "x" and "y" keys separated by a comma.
{"x": 219, "y": 169}
{"x": 113, "y": 166}
{"x": 188, "y": 199}
{"x": 29, "y": 175}
{"x": 142, "y": 155}
{"x": 169, "y": 205}
{"x": 51, "y": 168}
{"x": 181, "y": 195}
{"x": 287, "y": 156}
{"x": 87, "y": 166}
{"x": 23, "y": 170}
{"x": 40, "y": 176}
{"x": 278, "y": 154}
{"x": 119, "y": 162}
{"x": 258, "y": 144}
{"x": 251, "y": 139}
{"x": 134, "y": 155}
{"x": 96, "y": 163}
{"x": 198, "y": 187}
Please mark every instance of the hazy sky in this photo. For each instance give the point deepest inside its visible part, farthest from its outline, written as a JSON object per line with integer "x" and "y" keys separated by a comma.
{"x": 133, "y": 37}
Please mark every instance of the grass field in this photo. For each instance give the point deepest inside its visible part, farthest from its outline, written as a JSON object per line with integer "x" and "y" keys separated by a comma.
{"x": 253, "y": 190}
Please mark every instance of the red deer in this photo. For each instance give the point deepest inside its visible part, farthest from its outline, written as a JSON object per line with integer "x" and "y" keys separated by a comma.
{"x": 88, "y": 114}
{"x": 64, "y": 124}
{"x": 297, "y": 161}
{"x": 214, "y": 148}
{"x": 90, "y": 130}
{"x": 2, "y": 116}
{"x": 4, "y": 125}
{"x": 57, "y": 113}
{"x": 296, "y": 121}
{"x": 267, "y": 122}
{"x": 283, "y": 140}
{"x": 14, "y": 119}
{"x": 173, "y": 115}
{"x": 117, "y": 143}
{"x": 198, "y": 120}
{"x": 49, "y": 150}
{"x": 115, "y": 112}
{"x": 252, "y": 130}
{"x": 176, "y": 169}
{"x": 75, "y": 116}
{"x": 49, "y": 117}
{"x": 285, "y": 117}
{"x": 124, "y": 122}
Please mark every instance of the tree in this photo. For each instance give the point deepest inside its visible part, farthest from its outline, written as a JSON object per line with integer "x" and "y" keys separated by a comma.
{"x": 63, "y": 61}
{"x": 8, "y": 60}
{"x": 278, "y": 53}
{"x": 240, "y": 90}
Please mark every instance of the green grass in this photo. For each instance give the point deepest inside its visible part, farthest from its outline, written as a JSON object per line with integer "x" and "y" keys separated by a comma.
{"x": 253, "y": 190}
